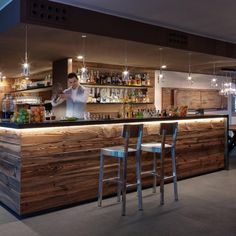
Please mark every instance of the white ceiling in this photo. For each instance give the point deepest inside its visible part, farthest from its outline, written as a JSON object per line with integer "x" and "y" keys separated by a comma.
{"x": 210, "y": 18}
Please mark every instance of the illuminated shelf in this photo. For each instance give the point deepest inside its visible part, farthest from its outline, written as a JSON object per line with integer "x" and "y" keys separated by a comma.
{"x": 34, "y": 90}
{"x": 115, "y": 86}
{"x": 134, "y": 103}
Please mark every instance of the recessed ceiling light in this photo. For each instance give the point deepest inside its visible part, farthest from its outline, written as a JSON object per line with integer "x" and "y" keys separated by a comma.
{"x": 84, "y": 36}
{"x": 4, "y": 77}
{"x": 163, "y": 66}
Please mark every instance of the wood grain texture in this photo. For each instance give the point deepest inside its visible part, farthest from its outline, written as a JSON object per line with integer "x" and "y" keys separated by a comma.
{"x": 193, "y": 98}
{"x": 60, "y": 166}
{"x": 10, "y": 169}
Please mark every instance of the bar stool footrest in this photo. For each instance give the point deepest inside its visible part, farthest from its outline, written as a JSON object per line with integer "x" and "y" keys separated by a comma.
{"x": 111, "y": 179}
{"x": 168, "y": 177}
{"x": 150, "y": 173}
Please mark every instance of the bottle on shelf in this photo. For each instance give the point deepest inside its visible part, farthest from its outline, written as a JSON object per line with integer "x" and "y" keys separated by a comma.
{"x": 109, "y": 76}
{"x": 143, "y": 80}
{"x": 148, "y": 81}
{"x": 138, "y": 79}
{"x": 92, "y": 77}
{"x": 98, "y": 79}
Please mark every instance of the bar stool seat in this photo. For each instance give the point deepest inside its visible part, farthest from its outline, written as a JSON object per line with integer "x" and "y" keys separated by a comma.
{"x": 117, "y": 151}
{"x": 122, "y": 153}
{"x": 162, "y": 148}
{"x": 154, "y": 147}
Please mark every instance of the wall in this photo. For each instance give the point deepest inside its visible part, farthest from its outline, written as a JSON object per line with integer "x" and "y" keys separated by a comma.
{"x": 173, "y": 79}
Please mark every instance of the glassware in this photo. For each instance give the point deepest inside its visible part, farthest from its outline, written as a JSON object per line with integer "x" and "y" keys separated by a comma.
{"x": 8, "y": 106}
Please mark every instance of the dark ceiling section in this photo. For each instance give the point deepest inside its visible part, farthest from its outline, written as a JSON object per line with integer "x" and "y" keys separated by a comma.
{"x": 61, "y": 16}
{"x": 55, "y": 32}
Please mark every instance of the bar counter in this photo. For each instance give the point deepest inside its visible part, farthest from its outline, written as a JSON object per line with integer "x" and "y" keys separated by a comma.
{"x": 48, "y": 165}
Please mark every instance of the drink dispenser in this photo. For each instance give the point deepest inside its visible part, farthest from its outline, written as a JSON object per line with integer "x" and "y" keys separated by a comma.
{"x": 8, "y": 106}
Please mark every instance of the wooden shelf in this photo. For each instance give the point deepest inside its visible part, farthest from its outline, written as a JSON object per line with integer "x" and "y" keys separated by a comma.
{"x": 134, "y": 103}
{"x": 115, "y": 86}
{"x": 34, "y": 90}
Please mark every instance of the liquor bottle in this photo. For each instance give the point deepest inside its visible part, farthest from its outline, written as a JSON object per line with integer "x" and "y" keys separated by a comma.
{"x": 113, "y": 78}
{"x": 147, "y": 98}
{"x": 92, "y": 79}
{"x": 132, "y": 79}
{"x": 102, "y": 78}
{"x": 148, "y": 81}
{"x": 109, "y": 76}
{"x": 138, "y": 79}
{"x": 133, "y": 97}
{"x": 88, "y": 79}
{"x": 98, "y": 98}
{"x": 98, "y": 79}
{"x": 143, "y": 80}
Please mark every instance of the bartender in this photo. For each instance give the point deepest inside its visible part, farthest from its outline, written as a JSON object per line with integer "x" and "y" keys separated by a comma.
{"x": 75, "y": 96}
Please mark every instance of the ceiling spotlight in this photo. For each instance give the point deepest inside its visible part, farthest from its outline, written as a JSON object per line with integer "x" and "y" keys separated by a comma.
{"x": 163, "y": 66}
{"x": 80, "y": 57}
{"x": 84, "y": 36}
{"x": 4, "y": 77}
{"x": 213, "y": 80}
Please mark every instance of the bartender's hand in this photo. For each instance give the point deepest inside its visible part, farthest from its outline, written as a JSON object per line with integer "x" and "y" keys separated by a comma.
{"x": 65, "y": 95}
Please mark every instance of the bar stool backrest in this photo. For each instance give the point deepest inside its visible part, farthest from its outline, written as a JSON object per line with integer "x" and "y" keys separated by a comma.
{"x": 169, "y": 129}
{"x": 133, "y": 131}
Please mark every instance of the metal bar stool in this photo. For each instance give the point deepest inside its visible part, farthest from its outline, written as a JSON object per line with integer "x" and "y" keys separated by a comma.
{"x": 122, "y": 153}
{"x": 162, "y": 148}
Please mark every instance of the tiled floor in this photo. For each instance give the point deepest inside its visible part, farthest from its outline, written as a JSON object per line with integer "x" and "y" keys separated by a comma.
{"x": 207, "y": 206}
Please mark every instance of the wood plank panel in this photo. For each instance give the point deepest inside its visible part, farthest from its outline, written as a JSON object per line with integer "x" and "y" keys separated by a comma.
{"x": 190, "y": 98}
{"x": 193, "y": 98}
{"x": 63, "y": 168}
{"x": 59, "y": 166}
{"x": 10, "y": 169}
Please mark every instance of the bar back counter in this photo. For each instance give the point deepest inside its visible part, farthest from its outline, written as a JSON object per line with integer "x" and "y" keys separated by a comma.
{"x": 49, "y": 165}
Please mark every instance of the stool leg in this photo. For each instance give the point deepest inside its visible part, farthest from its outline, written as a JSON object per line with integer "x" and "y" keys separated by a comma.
{"x": 100, "y": 186}
{"x": 139, "y": 181}
{"x": 124, "y": 186}
{"x": 174, "y": 173}
{"x": 162, "y": 178}
{"x": 154, "y": 172}
{"x": 119, "y": 182}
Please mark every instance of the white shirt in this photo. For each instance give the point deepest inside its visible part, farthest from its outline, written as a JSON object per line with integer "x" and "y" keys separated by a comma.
{"x": 76, "y": 103}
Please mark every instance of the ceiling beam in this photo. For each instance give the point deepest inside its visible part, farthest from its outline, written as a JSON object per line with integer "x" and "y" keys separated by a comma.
{"x": 61, "y": 16}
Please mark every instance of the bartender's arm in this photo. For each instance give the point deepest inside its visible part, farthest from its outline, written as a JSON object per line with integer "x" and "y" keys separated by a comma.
{"x": 60, "y": 99}
{"x": 82, "y": 97}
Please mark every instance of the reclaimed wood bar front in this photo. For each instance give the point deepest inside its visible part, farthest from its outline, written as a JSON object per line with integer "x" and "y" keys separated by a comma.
{"x": 49, "y": 165}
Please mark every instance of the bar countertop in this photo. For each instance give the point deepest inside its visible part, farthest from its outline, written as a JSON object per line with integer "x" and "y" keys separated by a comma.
{"x": 101, "y": 121}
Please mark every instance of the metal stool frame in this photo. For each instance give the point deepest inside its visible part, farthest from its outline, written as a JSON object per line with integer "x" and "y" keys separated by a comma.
{"x": 122, "y": 153}
{"x": 162, "y": 148}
